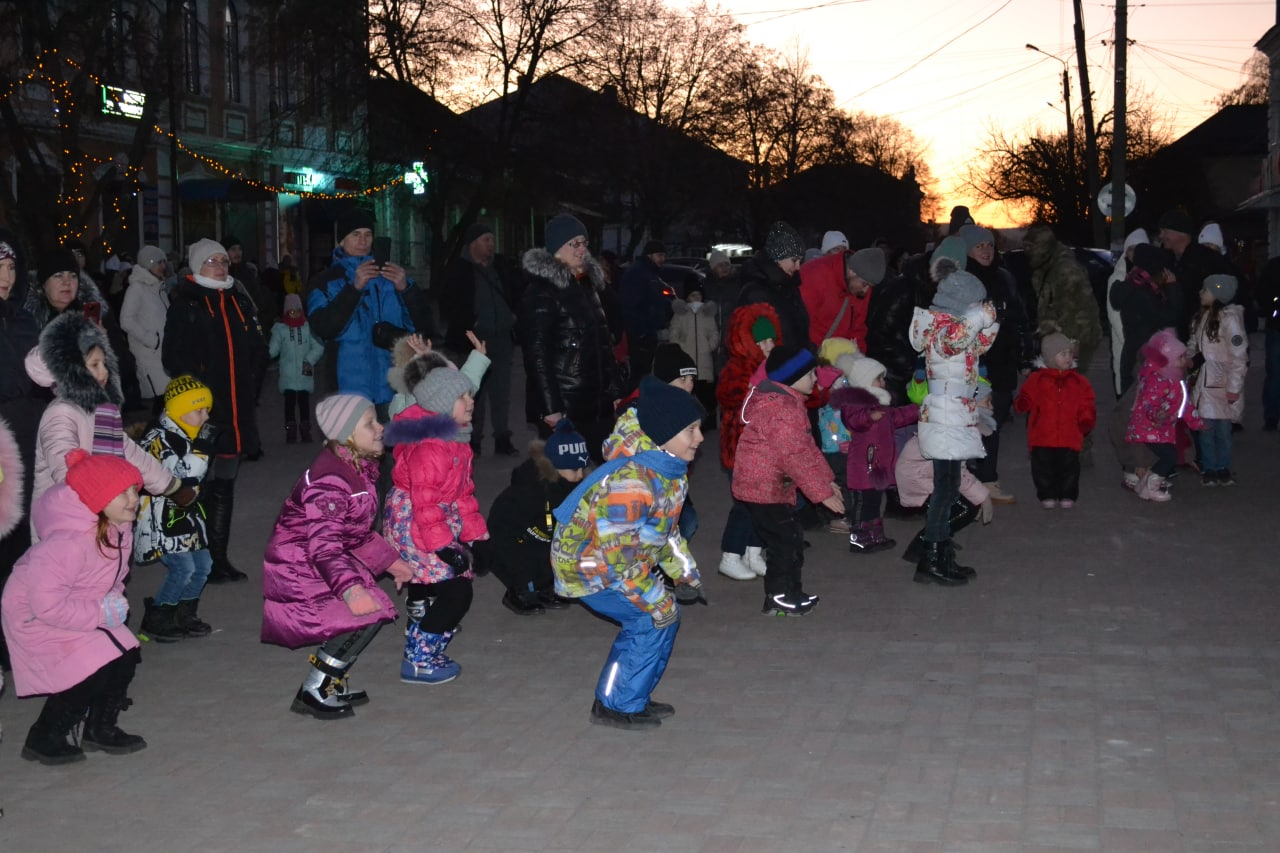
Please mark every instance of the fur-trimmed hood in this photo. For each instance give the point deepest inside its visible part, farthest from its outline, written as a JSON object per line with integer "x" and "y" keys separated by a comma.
{"x": 537, "y": 468}
{"x": 542, "y": 264}
{"x": 63, "y": 346}
{"x": 405, "y": 377}
{"x": 11, "y": 486}
{"x": 40, "y": 308}
{"x": 415, "y": 424}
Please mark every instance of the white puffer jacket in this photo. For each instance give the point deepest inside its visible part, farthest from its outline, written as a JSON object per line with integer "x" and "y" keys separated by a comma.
{"x": 1226, "y": 360}
{"x": 951, "y": 347}
{"x": 142, "y": 317}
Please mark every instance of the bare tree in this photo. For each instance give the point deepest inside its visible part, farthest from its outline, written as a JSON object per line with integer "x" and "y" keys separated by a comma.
{"x": 415, "y": 42}
{"x": 1254, "y": 89}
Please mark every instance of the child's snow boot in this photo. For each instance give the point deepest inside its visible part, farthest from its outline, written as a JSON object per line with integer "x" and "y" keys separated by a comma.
{"x": 733, "y": 566}
{"x": 189, "y": 621}
{"x": 1154, "y": 488}
{"x": 860, "y": 539}
{"x": 754, "y": 558}
{"x": 47, "y": 739}
{"x": 879, "y": 542}
{"x": 160, "y": 622}
{"x": 424, "y": 658}
{"x": 933, "y": 567}
{"x": 101, "y": 731}
{"x": 319, "y": 695}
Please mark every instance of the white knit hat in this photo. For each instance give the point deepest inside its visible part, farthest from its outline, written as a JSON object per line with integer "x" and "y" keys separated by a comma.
{"x": 834, "y": 239}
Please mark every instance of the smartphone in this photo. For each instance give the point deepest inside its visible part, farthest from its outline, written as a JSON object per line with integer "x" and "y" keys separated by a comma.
{"x": 93, "y": 311}
{"x": 381, "y": 251}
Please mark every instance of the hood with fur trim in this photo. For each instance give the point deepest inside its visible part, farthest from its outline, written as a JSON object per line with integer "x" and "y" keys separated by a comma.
{"x": 404, "y": 377}
{"x": 63, "y": 346}
{"x": 40, "y": 308}
{"x": 415, "y": 424}
{"x": 542, "y": 264}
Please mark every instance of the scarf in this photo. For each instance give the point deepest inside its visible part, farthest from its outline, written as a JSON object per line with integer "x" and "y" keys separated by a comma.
{"x": 659, "y": 461}
{"x": 108, "y": 430}
{"x": 1142, "y": 279}
{"x": 213, "y": 283}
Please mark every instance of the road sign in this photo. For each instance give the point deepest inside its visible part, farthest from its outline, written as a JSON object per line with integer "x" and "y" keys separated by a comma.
{"x": 1104, "y": 199}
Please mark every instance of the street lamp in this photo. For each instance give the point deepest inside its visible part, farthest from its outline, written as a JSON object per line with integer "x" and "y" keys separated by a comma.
{"x": 1066, "y": 97}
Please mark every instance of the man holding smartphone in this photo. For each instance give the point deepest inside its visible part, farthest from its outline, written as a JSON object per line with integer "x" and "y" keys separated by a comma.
{"x": 359, "y": 307}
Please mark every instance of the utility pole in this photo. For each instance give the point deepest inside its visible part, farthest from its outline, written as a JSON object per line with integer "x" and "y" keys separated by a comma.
{"x": 1090, "y": 131}
{"x": 1066, "y": 99}
{"x": 1119, "y": 138}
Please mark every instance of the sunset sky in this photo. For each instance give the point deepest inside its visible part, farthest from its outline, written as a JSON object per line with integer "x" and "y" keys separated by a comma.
{"x": 872, "y": 54}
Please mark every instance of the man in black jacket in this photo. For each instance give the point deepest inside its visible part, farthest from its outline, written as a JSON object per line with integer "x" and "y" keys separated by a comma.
{"x": 772, "y": 276}
{"x": 473, "y": 298}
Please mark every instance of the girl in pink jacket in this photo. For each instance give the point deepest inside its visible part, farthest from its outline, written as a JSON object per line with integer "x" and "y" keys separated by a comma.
{"x": 1162, "y": 400}
{"x": 64, "y": 610}
{"x": 431, "y": 515}
{"x": 318, "y": 578}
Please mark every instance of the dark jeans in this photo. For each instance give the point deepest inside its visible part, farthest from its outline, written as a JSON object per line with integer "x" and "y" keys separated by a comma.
{"x": 494, "y": 395}
{"x": 987, "y": 469}
{"x": 298, "y": 402}
{"x": 439, "y": 607}
{"x": 946, "y": 488}
{"x": 739, "y": 533}
{"x": 783, "y": 539}
{"x": 1166, "y": 459}
{"x": 1056, "y": 473}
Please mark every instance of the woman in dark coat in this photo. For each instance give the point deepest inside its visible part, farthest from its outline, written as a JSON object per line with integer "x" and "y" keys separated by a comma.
{"x": 570, "y": 368}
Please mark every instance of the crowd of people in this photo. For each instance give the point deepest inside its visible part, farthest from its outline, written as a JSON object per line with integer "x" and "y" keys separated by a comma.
{"x": 842, "y": 387}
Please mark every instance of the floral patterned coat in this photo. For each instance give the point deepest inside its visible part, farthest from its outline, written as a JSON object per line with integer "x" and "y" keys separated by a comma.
{"x": 952, "y": 345}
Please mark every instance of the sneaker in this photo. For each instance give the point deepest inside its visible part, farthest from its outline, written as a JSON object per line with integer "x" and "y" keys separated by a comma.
{"x": 732, "y": 566}
{"x": 1066, "y": 504}
{"x": 783, "y": 604}
{"x": 1209, "y": 478}
{"x": 1049, "y": 504}
{"x": 998, "y": 496}
{"x": 1131, "y": 481}
{"x": 1225, "y": 478}
{"x": 605, "y": 716}
{"x": 839, "y": 526}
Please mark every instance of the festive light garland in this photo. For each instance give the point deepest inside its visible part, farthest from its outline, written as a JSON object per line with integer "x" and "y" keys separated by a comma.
{"x": 72, "y": 202}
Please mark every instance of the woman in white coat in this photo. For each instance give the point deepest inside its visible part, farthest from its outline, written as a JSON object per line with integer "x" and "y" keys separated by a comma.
{"x": 142, "y": 317}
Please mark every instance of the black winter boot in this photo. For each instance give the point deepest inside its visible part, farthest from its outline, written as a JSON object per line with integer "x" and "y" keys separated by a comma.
{"x": 915, "y": 549}
{"x": 190, "y": 622}
{"x": 932, "y": 567}
{"x": 954, "y": 568}
{"x": 219, "y": 497}
{"x": 304, "y": 431}
{"x": 47, "y": 739}
{"x": 101, "y": 731}
{"x": 290, "y": 432}
{"x": 160, "y": 622}
{"x": 320, "y": 694}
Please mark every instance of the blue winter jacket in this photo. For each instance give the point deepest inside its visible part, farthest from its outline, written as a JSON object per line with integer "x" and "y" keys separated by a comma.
{"x": 344, "y": 317}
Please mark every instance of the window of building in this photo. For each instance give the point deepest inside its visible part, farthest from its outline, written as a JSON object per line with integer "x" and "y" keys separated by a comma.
{"x": 190, "y": 47}
{"x": 232, "y": 40}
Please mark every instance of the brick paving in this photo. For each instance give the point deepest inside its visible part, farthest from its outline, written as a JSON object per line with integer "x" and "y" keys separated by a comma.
{"x": 1108, "y": 683}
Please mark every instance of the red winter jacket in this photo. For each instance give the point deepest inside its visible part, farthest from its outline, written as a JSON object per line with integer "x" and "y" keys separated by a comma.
{"x": 745, "y": 356}
{"x": 776, "y": 452}
{"x": 824, "y": 289}
{"x": 1061, "y": 406}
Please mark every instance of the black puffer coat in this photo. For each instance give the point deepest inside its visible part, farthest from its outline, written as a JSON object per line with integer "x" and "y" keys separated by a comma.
{"x": 1013, "y": 348}
{"x": 214, "y": 336}
{"x": 893, "y": 304}
{"x": 764, "y": 281}
{"x": 568, "y": 356}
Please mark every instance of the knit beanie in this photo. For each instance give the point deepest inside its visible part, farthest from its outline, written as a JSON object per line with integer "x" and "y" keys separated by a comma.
{"x": 97, "y": 479}
{"x": 862, "y": 372}
{"x": 664, "y": 410}
{"x": 201, "y": 251}
{"x": 788, "y": 364}
{"x": 974, "y": 236}
{"x": 566, "y": 449}
{"x": 783, "y": 242}
{"x": 8, "y": 253}
{"x": 951, "y": 254}
{"x": 1222, "y": 286}
{"x": 54, "y": 262}
{"x": 354, "y": 220}
{"x": 440, "y": 389}
{"x": 1177, "y": 220}
{"x": 292, "y": 302}
{"x": 868, "y": 265}
{"x": 957, "y": 292}
{"x": 1211, "y": 235}
{"x": 717, "y": 258}
{"x": 654, "y": 247}
{"x": 474, "y": 232}
{"x": 339, "y": 414}
{"x": 834, "y": 239}
{"x": 561, "y": 229}
{"x": 1151, "y": 259}
{"x": 185, "y": 394}
{"x": 1052, "y": 345}
{"x": 149, "y": 255}
{"x": 670, "y": 362}
{"x": 832, "y": 348}
{"x": 763, "y": 329}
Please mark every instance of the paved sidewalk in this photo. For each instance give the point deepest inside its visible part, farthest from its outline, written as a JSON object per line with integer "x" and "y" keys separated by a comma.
{"x": 1108, "y": 683}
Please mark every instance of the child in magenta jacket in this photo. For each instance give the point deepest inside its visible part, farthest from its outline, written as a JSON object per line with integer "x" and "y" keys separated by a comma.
{"x": 1162, "y": 400}
{"x": 318, "y": 577}
{"x": 1061, "y": 405}
{"x": 873, "y": 452}
{"x": 431, "y": 515}
{"x": 776, "y": 455}
{"x": 64, "y": 610}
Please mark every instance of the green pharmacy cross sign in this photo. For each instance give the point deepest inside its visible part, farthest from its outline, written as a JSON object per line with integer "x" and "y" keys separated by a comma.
{"x": 417, "y": 178}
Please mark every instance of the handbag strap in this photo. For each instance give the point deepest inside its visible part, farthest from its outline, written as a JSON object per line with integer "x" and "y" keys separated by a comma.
{"x": 844, "y": 306}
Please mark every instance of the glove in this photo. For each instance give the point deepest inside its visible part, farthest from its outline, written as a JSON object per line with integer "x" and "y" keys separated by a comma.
{"x": 359, "y": 601}
{"x": 185, "y": 496}
{"x": 687, "y": 593}
{"x": 457, "y": 557}
{"x": 987, "y": 511}
{"x": 115, "y": 610}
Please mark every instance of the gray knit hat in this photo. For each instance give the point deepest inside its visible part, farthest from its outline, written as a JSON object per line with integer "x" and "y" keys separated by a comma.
{"x": 1222, "y": 286}
{"x": 974, "y": 236}
{"x": 441, "y": 388}
{"x": 957, "y": 292}
{"x": 868, "y": 265}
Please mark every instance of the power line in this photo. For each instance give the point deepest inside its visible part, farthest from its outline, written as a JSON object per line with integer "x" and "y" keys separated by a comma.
{"x": 932, "y": 53}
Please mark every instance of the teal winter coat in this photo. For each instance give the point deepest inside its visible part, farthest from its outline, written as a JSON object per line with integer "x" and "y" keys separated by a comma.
{"x": 296, "y": 346}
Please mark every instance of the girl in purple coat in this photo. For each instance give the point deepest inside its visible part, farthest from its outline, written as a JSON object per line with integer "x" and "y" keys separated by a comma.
{"x": 873, "y": 453}
{"x": 64, "y": 610}
{"x": 322, "y": 558}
